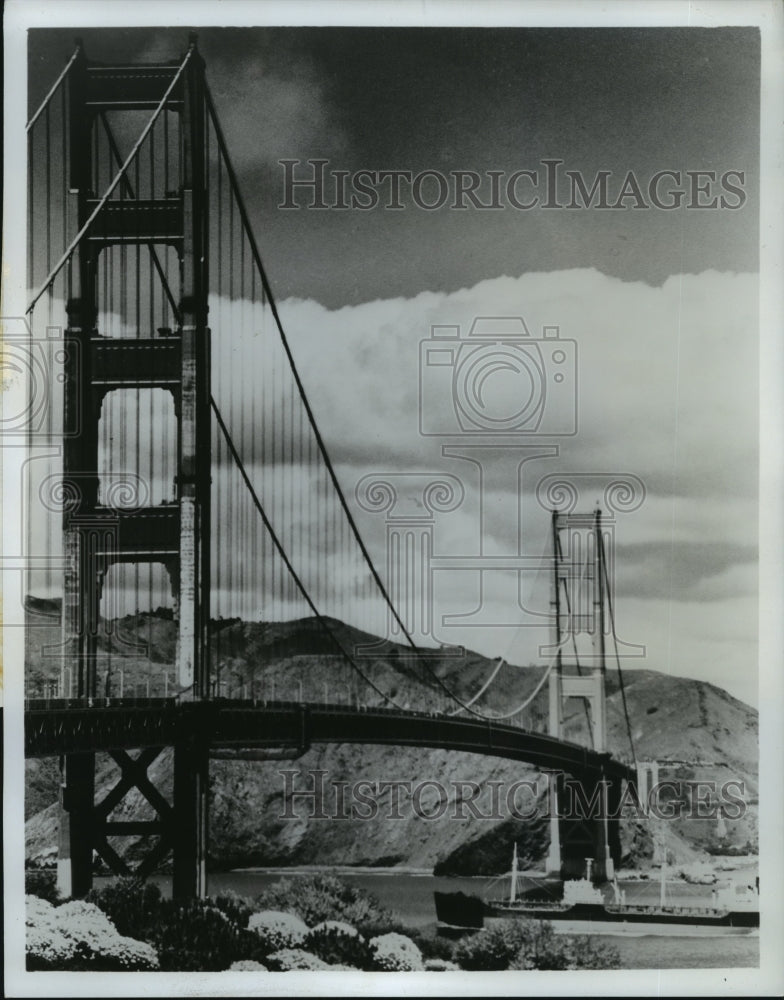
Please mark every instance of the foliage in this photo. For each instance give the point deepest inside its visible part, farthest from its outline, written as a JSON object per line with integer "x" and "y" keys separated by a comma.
{"x": 247, "y": 965}
{"x": 196, "y": 935}
{"x": 532, "y": 944}
{"x": 42, "y": 883}
{"x": 430, "y": 943}
{"x": 193, "y": 935}
{"x": 338, "y": 943}
{"x": 542, "y": 948}
{"x": 492, "y": 948}
{"x": 440, "y": 965}
{"x": 132, "y": 905}
{"x": 395, "y": 953}
{"x": 316, "y": 898}
{"x": 79, "y": 936}
{"x": 237, "y": 908}
{"x": 294, "y": 959}
{"x": 277, "y": 930}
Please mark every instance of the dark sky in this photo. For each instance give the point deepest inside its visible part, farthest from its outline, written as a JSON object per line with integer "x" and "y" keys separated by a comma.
{"x": 640, "y": 100}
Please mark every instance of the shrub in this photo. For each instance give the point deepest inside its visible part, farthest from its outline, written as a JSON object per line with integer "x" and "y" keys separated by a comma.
{"x": 430, "y": 943}
{"x": 134, "y": 906}
{"x": 540, "y": 949}
{"x": 42, "y": 884}
{"x": 566, "y": 952}
{"x": 193, "y": 935}
{"x": 336, "y": 943}
{"x": 543, "y": 949}
{"x": 594, "y": 954}
{"x": 395, "y": 953}
{"x": 277, "y": 930}
{"x": 440, "y": 965}
{"x": 294, "y": 959}
{"x": 492, "y": 948}
{"x": 196, "y": 935}
{"x": 46, "y": 945}
{"x": 247, "y": 965}
{"x": 76, "y": 936}
{"x": 316, "y": 898}
{"x": 237, "y": 908}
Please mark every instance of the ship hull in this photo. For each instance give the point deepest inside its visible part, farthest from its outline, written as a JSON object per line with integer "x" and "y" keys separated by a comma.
{"x": 459, "y": 910}
{"x": 596, "y": 913}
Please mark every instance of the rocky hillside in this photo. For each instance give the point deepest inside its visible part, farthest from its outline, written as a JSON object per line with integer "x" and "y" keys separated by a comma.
{"x": 704, "y": 732}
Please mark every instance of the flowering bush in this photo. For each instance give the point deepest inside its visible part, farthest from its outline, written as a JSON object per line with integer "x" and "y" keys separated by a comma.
{"x": 278, "y": 930}
{"x": 77, "y": 935}
{"x": 395, "y": 953}
{"x": 293, "y": 960}
{"x": 47, "y": 945}
{"x": 316, "y": 898}
{"x": 337, "y": 942}
{"x": 247, "y": 965}
{"x": 440, "y": 965}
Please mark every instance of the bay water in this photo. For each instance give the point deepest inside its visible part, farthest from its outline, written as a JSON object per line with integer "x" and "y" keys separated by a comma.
{"x": 410, "y": 895}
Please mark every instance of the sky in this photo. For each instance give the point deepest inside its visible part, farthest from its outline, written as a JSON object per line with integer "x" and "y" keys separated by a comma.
{"x": 659, "y": 306}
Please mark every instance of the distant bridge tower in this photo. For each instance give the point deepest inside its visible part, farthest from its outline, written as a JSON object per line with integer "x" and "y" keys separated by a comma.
{"x": 572, "y": 838}
{"x": 177, "y": 535}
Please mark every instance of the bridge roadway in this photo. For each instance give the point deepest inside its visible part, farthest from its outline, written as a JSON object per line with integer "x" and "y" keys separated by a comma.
{"x": 58, "y": 726}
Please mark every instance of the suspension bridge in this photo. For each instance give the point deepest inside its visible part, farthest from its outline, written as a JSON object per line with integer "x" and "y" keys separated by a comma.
{"x": 182, "y": 487}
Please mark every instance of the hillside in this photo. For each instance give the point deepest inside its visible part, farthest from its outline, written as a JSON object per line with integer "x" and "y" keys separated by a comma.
{"x": 702, "y": 730}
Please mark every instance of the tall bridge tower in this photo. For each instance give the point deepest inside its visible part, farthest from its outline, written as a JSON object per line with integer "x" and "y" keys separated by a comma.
{"x": 174, "y": 534}
{"x": 573, "y": 838}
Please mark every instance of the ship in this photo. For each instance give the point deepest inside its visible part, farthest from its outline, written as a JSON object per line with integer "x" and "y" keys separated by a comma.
{"x": 586, "y": 906}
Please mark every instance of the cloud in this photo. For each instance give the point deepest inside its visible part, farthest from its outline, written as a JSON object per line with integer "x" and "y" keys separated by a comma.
{"x": 666, "y": 376}
{"x": 274, "y": 105}
{"x": 666, "y": 383}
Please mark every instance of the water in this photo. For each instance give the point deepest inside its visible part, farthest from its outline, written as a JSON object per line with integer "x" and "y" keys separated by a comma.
{"x": 411, "y": 896}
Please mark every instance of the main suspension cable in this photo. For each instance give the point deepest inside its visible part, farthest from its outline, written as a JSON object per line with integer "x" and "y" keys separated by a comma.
{"x": 308, "y": 409}
{"x": 615, "y": 646}
{"x": 54, "y": 88}
{"x": 115, "y": 181}
{"x": 282, "y": 553}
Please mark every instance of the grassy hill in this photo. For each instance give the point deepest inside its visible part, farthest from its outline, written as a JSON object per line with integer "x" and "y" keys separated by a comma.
{"x": 704, "y": 732}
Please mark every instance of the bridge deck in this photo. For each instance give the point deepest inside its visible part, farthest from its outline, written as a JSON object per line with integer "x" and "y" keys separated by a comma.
{"x": 60, "y": 726}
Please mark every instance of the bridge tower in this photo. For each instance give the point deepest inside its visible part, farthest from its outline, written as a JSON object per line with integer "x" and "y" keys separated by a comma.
{"x": 573, "y": 838}
{"x": 175, "y": 534}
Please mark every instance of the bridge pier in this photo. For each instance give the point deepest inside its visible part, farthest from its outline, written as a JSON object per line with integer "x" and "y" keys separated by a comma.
{"x": 75, "y": 845}
{"x": 587, "y": 826}
{"x": 191, "y": 813}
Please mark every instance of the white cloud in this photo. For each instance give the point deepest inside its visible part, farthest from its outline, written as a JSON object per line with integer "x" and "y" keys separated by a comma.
{"x": 667, "y": 392}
